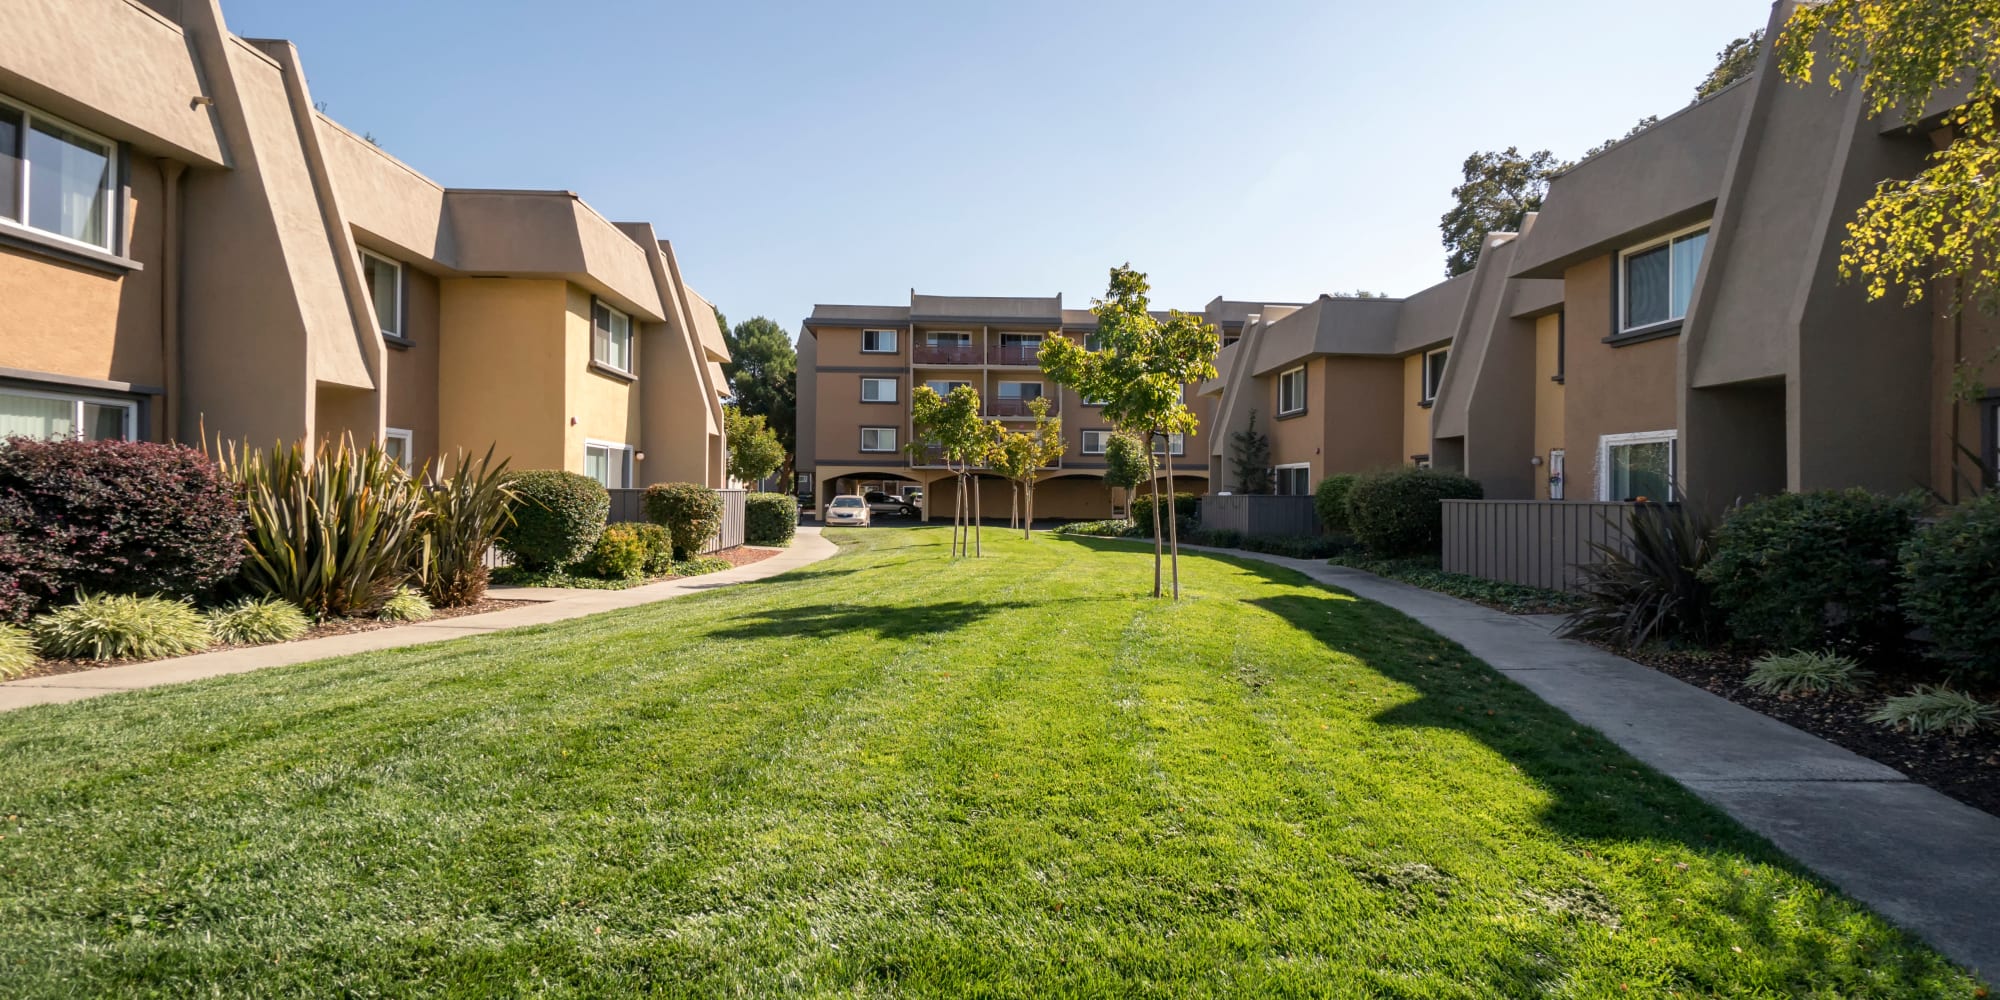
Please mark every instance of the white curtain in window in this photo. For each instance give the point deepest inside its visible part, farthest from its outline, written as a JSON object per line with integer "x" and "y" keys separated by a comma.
{"x": 36, "y": 416}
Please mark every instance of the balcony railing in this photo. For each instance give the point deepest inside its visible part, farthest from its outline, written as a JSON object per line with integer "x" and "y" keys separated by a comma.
{"x": 1002, "y": 406}
{"x": 1014, "y": 354}
{"x": 945, "y": 354}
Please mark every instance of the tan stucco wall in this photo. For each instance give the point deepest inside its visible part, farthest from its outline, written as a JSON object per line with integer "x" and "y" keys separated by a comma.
{"x": 606, "y": 408}
{"x": 1609, "y": 390}
{"x": 503, "y": 368}
{"x": 840, "y": 346}
{"x": 412, "y": 373}
{"x": 1298, "y": 437}
{"x": 1548, "y": 397}
{"x": 1416, "y": 416}
{"x": 840, "y": 415}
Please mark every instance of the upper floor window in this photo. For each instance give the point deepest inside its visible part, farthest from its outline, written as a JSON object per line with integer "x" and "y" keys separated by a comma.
{"x": 943, "y": 387}
{"x": 1434, "y": 372}
{"x": 48, "y": 416}
{"x": 1292, "y": 391}
{"x": 1170, "y": 443}
{"x": 935, "y": 338}
{"x": 57, "y": 178}
{"x": 878, "y": 341}
{"x": 878, "y": 439}
{"x": 1095, "y": 442}
{"x": 878, "y": 390}
{"x": 1019, "y": 390}
{"x": 610, "y": 337}
{"x": 1655, "y": 281}
{"x": 384, "y": 278}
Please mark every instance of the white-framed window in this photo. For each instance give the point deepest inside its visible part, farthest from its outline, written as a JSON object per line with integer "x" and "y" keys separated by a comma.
{"x": 1292, "y": 391}
{"x": 384, "y": 278}
{"x": 1656, "y": 280}
{"x": 878, "y": 341}
{"x": 56, "y": 178}
{"x": 397, "y": 442}
{"x": 1169, "y": 443}
{"x": 1434, "y": 372}
{"x": 1294, "y": 480}
{"x": 878, "y": 439}
{"x": 610, "y": 337}
{"x": 878, "y": 390}
{"x": 1019, "y": 390}
{"x": 50, "y": 415}
{"x": 1631, "y": 466}
{"x": 943, "y": 387}
{"x": 935, "y": 338}
{"x": 608, "y": 462}
{"x": 1095, "y": 442}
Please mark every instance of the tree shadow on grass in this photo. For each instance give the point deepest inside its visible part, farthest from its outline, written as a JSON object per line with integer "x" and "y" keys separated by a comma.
{"x": 819, "y": 621}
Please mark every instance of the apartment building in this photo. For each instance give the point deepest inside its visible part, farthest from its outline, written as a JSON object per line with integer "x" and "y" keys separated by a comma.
{"x": 189, "y": 249}
{"x": 858, "y": 365}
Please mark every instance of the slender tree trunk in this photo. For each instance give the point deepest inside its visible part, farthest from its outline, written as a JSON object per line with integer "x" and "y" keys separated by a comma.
{"x": 1152, "y": 476}
{"x": 977, "y": 551}
{"x": 1013, "y": 503}
{"x": 1028, "y": 515}
{"x": 1173, "y": 519}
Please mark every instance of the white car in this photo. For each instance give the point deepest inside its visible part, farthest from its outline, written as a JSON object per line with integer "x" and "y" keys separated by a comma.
{"x": 848, "y": 509}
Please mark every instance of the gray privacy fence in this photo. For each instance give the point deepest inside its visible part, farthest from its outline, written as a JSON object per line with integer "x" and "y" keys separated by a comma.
{"x": 1540, "y": 543}
{"x": 629, "y": 506}
{"x": 1259, "y": 515}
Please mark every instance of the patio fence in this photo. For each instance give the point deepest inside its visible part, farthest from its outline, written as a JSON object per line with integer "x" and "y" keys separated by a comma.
{"x": 1538, "y": 543}
{"x": 629, "y": 507}
{"x": 1254, "y": 514}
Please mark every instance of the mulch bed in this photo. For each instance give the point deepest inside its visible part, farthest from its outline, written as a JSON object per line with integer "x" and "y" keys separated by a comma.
{"x": 744, "y": 555}
{"x": 337, "y": 626}
{"x": 1967, "y": 768}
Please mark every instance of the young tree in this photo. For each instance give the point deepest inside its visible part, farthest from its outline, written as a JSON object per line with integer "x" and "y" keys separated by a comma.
{"x": 1141, "y": 371}
{"x": 1127, "y": 465}
{"x": 754, "y": 451}
{"x": 1250, "y": 458}
{"x": 1022, "y": 455}
{"x": 1013, "y": 458}
{"x": 952, "y": 425}
{"x": 763, "y": 375}
{"x": 1941, "y": 226}
{"x": 1499, "y": 191}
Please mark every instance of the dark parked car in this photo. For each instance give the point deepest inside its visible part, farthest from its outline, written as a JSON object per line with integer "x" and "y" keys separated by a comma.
{"x": 884, "y": 504}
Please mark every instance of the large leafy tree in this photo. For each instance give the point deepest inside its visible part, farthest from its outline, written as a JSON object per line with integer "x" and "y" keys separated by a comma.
{"x": 754, "y": 451}
{"x": 763, "y": 375}
{"x": 1940, "y": 227}
{"x": 1498, "y": 192}
{"x": 1141, "y": 371}
{"x": 951, "y": 426}
{"x": 1737, "y": 60}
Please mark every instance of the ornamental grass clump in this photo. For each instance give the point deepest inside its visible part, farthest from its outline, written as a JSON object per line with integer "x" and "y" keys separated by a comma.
{"x": 1802, "y": 672}
{"x": 1928, "y": 709}
{"x": 257, "y": 620}
{"x": 1652, "y": 590}
{"x": 466, "y": 510}
{"x": 407, "y": 604}
{"x": 17, "y": 652}
{"x": 121, "y": 627}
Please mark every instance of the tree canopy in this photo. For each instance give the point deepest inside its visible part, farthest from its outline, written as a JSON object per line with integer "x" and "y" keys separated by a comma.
{"x": 1737, "y": 60}
{"x": 754, "y": 451}
{"x": 763, "y": 375}
{"x": 1498, "y": 192}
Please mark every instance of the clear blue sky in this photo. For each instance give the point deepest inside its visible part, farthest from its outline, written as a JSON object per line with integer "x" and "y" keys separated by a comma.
{"x": 845, "y": 152}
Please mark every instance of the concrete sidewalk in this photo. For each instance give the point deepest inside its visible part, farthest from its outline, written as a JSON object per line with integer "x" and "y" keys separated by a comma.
{"x": 552, "y": 606}
{"x": 1928, "y": 862}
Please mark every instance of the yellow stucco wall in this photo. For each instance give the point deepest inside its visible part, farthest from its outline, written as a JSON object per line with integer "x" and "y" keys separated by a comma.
{"x": 1548, "y": 396}
{"x": 1416, "y": 417}
{"x": 606, "y": 407}
{"x": 502, "y": 370}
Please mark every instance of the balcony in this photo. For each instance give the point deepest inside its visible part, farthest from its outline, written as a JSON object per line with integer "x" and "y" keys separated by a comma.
{"x": 1015, "y": 355}
{"x": 1012, "y": 406}
{"x": 944, "y": 354}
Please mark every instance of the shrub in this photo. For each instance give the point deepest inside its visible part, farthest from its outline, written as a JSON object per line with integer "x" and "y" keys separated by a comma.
{"x": 334, "y": 532}
{"x": 1297, "y": 546}
{"x": 1330, "y": 501}
{"x": 659, "y": 549}
{"x": 557, "y": 518}
{"x": 1513, "y": 598}
{"x": 1186, "y": 505}
{"x": 1819, "y": 569}
{"x": 121, "y": 627}
{"x": 257, "y": 620}
{"x": 691, "y": 512}
{"x": 1950, "y": 586}
{"x": 770, "y": 518}
{"x": 407, "y": 604}
{"x": 1928, "y": 709}
{"x": 1221, "y": 538}
{"x": 620, "y": 554}
{"x": 17, "y": 651}
{"x": 1654, "y": 591}
{"x": 1112, "y": 528}
{"x": 701, "y": 565}
{"x": 1401, "y": 512}
{"x": 111, "y": 517}
{"x": 1801, "y": 672}
{"x": 467, "y": 511}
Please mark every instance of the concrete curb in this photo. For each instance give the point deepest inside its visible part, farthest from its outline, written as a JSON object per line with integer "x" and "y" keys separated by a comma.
{"x": 1924, "y": 860}
{"x": 807, "y": 547}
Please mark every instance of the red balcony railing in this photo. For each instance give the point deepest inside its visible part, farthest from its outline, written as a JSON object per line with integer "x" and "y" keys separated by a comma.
{"x": 1014, "y": 354}
{"x": 945, "y": 354}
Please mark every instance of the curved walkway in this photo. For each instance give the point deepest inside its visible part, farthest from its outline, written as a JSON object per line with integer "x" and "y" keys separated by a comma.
{"x": 1922, "y": 859}
{"x": 551, "y": 606}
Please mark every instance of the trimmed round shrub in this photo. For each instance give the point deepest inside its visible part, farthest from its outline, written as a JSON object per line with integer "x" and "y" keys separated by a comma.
{"x": 17, "y": 651}
{"x": 659, "y": 548}
{"x": 121, "y": 627}
{"x": 112, "y": 517}
{"x": 1330, "y": 501}
{"x": 620, "y": 554}
{"x": 770, "y": 518}
{"x": 257, "y": 620}
{"x": 1186, "y": 505}
{"x": 1951, "y": 586}
{"x": 691, "y": 513}
{"x": 557, "y": 518}
{"x": 407, "y": 604}
{"x": 1401, "y": 512}
{"x": 1812, "y": 570}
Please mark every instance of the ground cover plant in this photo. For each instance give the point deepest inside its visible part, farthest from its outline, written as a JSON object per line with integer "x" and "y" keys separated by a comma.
{"x": 1017, "y": 776}
{"x": 1513, "y": 598}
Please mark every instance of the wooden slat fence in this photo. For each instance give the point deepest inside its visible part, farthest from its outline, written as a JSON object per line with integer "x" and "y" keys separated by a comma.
{"x": 1259, "y": 515}
{"x": 629, "y": 507}
{"x": 1539, "y": 543}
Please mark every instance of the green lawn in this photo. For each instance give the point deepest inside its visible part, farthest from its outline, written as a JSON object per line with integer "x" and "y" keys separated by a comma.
{"x": 891, "y": 775}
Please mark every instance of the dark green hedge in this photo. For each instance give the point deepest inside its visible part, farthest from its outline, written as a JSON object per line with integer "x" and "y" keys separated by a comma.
{"x": 691, "y": 513}
{"x": 1951, "y": 584}
{"x": 1330, "y": 501}
{"x": 557, "y": 518}
{"x": 770, "y": 518}
{"x": 1401, "y": 512}
{"x": 1185, "y": 506}
{"x": 1812, "y": 570}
